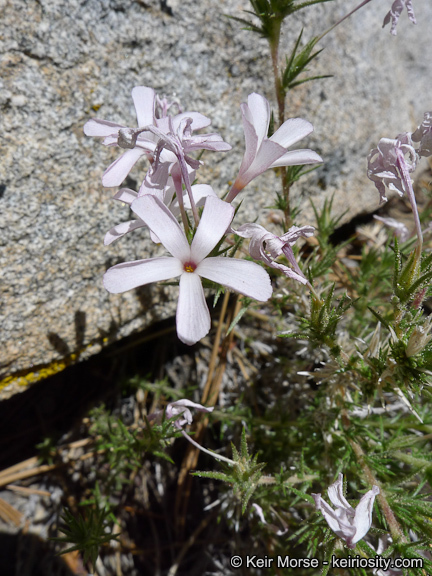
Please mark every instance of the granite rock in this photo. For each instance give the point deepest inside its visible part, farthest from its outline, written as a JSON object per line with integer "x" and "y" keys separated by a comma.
{"x": 65, "y": 61}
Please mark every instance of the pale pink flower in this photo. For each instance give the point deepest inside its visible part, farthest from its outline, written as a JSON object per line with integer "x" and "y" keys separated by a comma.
{"x": 346, "y": 522}
{"x": 388, "y": 166}
{"x": 180, "y": 408}
{"x": 266, "y": 247}
{"x": 172, "y": 155}
{"x": 423, "y": 134}
{"x": 395, "y": 12}
{"x": 261, "y": 152}
{"x": 190, "y": 262}
{"x": 139, "y": 141}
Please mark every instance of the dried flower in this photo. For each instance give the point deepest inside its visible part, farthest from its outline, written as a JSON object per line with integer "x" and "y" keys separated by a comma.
{"x": 387, "y": 166}
{"x": 266, "y": 247}
{"x": 423, "y": 134}
{"x": 395, "y": 12}
{"x": 419, "y": 338}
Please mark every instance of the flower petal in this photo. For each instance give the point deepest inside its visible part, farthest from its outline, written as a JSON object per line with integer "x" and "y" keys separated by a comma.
{"x": 144, "y": 99}
{"x": 363, "y": 514}
{"x": 259, "y": 115}
{"x": 128, "y": 275}
{"x": 193, "y": 316}
{"x": 190, "y": 404}
{"x": 216, "y": 217}
{"x": 198, "y": 120}
{"x": 330, "y": 515}
{"x": 125, "y": 195}
{"x": 101, "y": 128}
{"x": 160, "y": 221}
{"x": 292, "y": 131}
{"x": 251, "y": 141}
{"x": 335, "y": 493}
{"x": 117, "y": 172}
{"x": 212, "y": 142}
{"x": 242, "y": 276}
{"x": 266, "y": 157}
{"x": 297, "y": 157}
{"x": 199, "y": 193}
{"x": 122, "y": 229}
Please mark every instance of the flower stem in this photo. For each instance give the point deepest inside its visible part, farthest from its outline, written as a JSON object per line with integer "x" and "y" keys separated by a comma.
{"x": 342, "y": 19}
{"x": 213, "y": 454}
{"x": 280, "y": 97}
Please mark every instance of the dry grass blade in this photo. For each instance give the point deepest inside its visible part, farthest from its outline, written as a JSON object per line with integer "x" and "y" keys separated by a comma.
{"x": 209, "y": 396}
{"x": 27, "y": 491}
{"x": 9, "y": 514}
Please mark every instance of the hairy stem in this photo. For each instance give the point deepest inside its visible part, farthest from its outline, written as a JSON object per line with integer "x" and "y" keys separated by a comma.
{"x": 280, "y": 98}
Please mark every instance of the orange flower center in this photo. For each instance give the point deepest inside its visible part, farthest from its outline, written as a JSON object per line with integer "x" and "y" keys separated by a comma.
{"x": 189, "y": 267}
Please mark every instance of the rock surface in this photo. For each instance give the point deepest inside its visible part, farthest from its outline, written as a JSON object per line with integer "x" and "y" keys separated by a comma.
{"x": 65, "y": 61}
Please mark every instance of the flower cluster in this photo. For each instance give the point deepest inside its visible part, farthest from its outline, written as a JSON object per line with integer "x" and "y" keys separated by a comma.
{"x": 166, "y": 193}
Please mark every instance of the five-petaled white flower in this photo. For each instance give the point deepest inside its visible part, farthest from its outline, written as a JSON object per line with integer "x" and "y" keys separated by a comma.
{"x": 346, "y": 522}
{"x": 395, "y": 11}
{"x": 261, "y": 152}
{"x": 190, "y": 262}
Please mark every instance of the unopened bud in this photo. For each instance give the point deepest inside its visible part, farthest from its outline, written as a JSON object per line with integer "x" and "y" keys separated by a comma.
{"x": 127, "y": 138}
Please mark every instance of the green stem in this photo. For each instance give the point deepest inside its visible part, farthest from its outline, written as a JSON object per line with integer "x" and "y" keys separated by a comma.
{"x": 291, "y": 480}
{"x": 280, "y": 98}
{"x": 411, "y": 460}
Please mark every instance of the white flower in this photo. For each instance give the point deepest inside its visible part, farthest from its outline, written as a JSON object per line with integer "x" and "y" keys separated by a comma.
{"x": 190, "y": 262}
{"x": 180, "y": 408}
{"x": 261, "y": 152}
{"x": 387, "y": 165}
{"x": 349, "y": 524}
